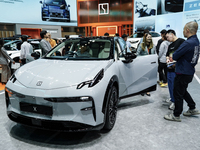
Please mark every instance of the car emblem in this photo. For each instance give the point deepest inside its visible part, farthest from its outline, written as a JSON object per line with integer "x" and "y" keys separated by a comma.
{"x": 34, "y": 108}
{"x": 39, "y": 83}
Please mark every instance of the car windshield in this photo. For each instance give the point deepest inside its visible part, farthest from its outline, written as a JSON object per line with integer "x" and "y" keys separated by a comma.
{"x": 55, "y": 2}
{"x": 81, "y": 49}
{"x": 154, "y": 34}
{"x": 12, "y": 45}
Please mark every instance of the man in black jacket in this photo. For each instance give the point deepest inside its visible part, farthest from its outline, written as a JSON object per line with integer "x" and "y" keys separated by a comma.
{"x": 175, "y": 43}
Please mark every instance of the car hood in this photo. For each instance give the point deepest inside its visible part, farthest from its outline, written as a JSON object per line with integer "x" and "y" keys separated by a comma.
{"x": 51, "y": 74}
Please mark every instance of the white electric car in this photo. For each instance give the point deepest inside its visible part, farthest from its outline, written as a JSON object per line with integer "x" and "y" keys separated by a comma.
{"x": 79, "y": 89}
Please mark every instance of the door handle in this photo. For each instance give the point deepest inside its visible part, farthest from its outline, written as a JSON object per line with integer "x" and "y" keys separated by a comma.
{"x": 154, "y": 62}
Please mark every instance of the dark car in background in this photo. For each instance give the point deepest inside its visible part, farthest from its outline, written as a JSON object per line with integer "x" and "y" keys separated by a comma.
{"x": 55, "y": 10}
{"x": 174, "y": 5}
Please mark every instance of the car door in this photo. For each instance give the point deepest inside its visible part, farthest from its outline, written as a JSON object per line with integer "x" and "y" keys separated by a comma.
{"x": 138, "y": 75}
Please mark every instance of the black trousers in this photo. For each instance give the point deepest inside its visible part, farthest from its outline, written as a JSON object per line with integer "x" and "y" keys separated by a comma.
{"x": 23, "y": 61}
{"x": 162, "y": 70}
{"x": 180, "y": 92}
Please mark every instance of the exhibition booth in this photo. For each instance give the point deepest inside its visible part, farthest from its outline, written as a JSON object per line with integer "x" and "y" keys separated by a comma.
{"x": 89, "y": 91}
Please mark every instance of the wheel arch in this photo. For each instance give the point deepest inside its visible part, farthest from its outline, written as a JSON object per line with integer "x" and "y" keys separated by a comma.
{"x": 113, "y": 82}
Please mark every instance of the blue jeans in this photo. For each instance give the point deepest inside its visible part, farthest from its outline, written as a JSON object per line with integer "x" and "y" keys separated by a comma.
{"x": 170, "y": 79}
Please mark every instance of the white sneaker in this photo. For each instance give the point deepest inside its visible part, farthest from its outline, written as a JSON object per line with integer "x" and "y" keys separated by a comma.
{"x": 191, "y": 112}
{"x": 167, "y": 100}
{"x": 172, "y": 106}
{"x": 171, "y": 117}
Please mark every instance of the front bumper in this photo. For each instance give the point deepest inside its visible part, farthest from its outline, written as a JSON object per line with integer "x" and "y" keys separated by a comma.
{"x": 56, "y": 18}
{"x": 56, "y": 106}
{"x": 55, "y": 15}
{"x": 67, "y": 126}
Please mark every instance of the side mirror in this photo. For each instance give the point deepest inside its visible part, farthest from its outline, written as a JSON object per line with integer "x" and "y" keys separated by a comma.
{"x": 40, "y": 2}
{"x": 129, "y": 57}
{"x": 68, "y": 6}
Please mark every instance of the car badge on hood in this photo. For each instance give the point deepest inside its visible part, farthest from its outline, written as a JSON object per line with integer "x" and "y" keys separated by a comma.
{"x": 39, "y": 83}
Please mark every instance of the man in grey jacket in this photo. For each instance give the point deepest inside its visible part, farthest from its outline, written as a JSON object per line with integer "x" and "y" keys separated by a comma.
{"x": 44, "y": 44}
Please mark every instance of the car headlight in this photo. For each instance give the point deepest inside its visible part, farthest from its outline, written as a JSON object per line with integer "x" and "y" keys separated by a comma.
{"x": 69, "y": 99}
{"x": 93, "y": 82}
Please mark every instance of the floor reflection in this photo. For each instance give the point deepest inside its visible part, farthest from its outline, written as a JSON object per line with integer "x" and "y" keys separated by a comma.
{"x": 53, "y": 138}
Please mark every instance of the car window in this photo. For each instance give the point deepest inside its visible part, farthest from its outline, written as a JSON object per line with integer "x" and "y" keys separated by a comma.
{"x": 35, "y": 46}
{"x": 12, "y": 45}
{"x": 154, "y": 34}
{"x": 55, "y": 2}
{"x": 81, "y": 49}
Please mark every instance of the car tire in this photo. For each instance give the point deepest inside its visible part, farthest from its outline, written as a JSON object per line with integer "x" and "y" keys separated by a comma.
{"x": 111, "y": 109}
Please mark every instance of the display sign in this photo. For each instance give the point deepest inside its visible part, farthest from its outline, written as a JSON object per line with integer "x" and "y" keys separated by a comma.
{"x": 167, "y": 15}
{"x": 195, "y": 5}
{"x": 46, "y": 12}
{"x": 109, "y": 29}
{"x": 103, "y": 9}
{"x": 192, "y": 16}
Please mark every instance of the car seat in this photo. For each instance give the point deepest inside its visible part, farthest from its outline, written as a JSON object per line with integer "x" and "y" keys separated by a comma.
{"x": 95, "y": 49}
{"x": 105, "y": 52}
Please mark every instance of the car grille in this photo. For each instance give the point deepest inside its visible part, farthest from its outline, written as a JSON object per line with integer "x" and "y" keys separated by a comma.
{"x": 58, "y": 15}
{"x": 39, "y": 109}
{"x": 55, "y": 10}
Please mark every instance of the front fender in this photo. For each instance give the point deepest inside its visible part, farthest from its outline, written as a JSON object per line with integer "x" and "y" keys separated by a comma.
{"x": 113, "y": 81}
